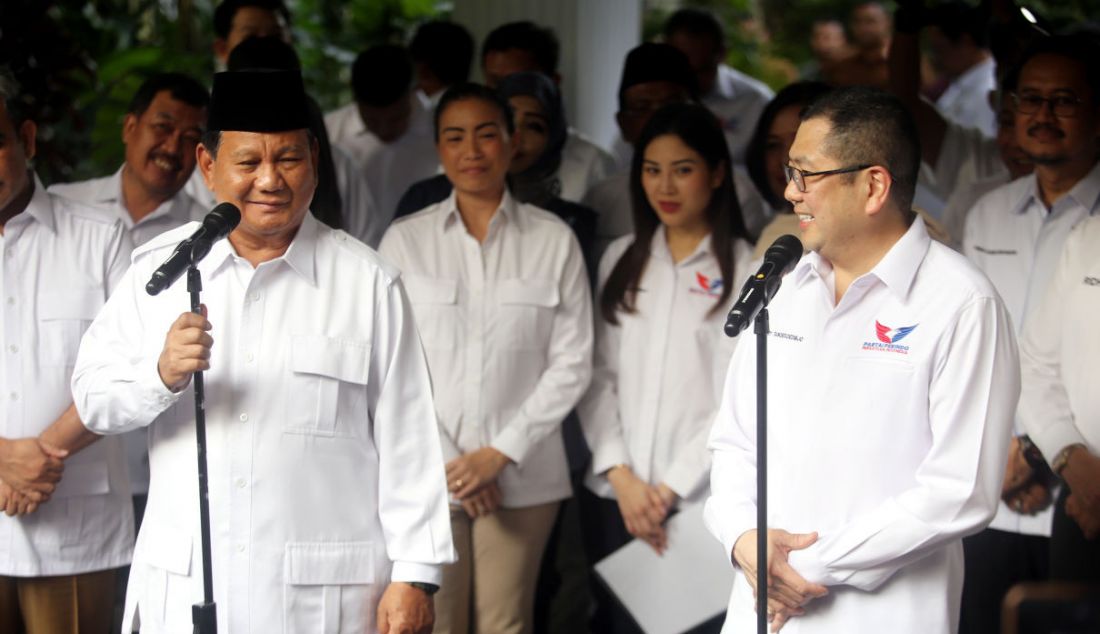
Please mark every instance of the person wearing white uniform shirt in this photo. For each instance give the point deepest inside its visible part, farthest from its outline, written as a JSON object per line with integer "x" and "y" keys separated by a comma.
{"x": 442, "y": 53}
{"x": 889, "y": 426}
{"x": 1058, "y": 403}
{"x": 1015, "y": 235}
{"x": 660, "y": 349}
{"x": 163, "y": 126}
{"x": 524, "y": 46}
{"x": 958, "y": 38}
{"x": 327, "y": 492}
{"x": 387, "y": 131}
{"x": 63, "y": 541}
{"x": 734, "y": 97}
{"x": 502, "y": 303}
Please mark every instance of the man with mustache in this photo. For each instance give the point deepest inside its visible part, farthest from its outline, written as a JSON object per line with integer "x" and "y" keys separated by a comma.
{"x": 1015, "y": 234}
{"x": 163, "y": 125}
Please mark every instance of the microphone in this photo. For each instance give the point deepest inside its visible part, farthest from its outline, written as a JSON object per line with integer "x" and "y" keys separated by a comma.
{"x": 780, "y": 258}
{"x": 216, "y": 225}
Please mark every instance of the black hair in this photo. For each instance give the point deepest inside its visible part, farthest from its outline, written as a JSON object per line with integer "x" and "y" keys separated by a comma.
{"x": 697, "y": 23}
{"x": 956, "y": 18}
{"x": 381, "y": 75}
{"x": 182, "y": 88}
{"x": 525, "y": 35}
{"x": 15, "y": 102}
{"x": 226, "y": 11}
{"x": 800, "y": 93}
{"x": 470, "y": 90}
{"x": 868, "y": 125}
{"x": 1081, "y": 47}
{"x": 700, "y": 130}
{"x": 446, "y": 48}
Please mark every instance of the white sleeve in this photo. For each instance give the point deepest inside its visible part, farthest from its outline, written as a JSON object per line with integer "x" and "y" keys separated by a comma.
{"x": 412, "y": 488}
{"x": 972, "y": 401}
{"x": 1044, "y": 410}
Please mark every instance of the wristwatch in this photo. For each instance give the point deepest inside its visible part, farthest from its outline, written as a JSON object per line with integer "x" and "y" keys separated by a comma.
{"x": 1062, "y": 459}
{"x": 427, "y": 588}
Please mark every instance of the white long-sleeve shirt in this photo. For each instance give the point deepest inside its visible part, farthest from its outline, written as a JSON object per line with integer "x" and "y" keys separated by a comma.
{"x": 737, "y": 100}
{"x": 58, "y": 263}
{"x": 326, "y": 477}
{"x": 507, "y": 325}
{"x": 657, "y": 374}
{"x": 889, "y": 415}
{"x": 1060, "y": 352}
{"x": 1017, "y": 242}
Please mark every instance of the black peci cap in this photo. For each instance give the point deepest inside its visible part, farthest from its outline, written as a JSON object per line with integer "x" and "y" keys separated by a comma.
{"x": 258, "y": 101}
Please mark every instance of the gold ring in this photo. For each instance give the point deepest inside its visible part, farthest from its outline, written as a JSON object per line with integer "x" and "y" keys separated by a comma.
{"x": 458, "y": 484}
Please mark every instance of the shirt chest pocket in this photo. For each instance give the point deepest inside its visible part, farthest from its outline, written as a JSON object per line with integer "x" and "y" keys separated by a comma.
{"x": 435, "y": 307}
{"x": 62, "y": 319}
{"x": 327, "y": 395}
{"x": 526, "y": 313}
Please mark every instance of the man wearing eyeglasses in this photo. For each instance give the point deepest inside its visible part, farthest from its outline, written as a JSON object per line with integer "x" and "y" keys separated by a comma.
{"x": 899, "y": 381}
{"x": 1016, "y": 234}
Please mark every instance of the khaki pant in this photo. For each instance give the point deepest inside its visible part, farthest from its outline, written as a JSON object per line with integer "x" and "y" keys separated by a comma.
{"x": 71, "y": 604}
{"x": 491, "y": 588}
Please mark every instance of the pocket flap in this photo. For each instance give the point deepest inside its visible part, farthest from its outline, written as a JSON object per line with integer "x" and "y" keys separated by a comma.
{"x": 342, "y": 359}
{"x": 90, "y": 478}
{"x": 165, "y": 546}
{"x": 528, "y": 292}
{"x": 328, "y": 563}
{"x": 429, "y": 290}
{"x": 75, "y": 304}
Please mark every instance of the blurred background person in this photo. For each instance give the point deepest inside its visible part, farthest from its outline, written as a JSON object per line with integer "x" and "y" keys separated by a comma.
{"x": 870, "y": 27}
{"x": 441, "y": 52}
{"x": 828, "y": 46}
{"x": 958, "y": 39}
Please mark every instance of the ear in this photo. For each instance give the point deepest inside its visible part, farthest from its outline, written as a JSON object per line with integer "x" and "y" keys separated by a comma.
{"x": 879, "y": 184}
{"x": 129, "y": 124}
{"x": 205, "y": 160}
{"x": 28, "y": 132}
{"x": 221, "y": 49}
{"x": 718, "y": 175}
{"x": 315, "y": 156}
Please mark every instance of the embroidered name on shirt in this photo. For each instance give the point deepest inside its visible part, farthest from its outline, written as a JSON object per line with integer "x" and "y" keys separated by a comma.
{"x": 986, "y": 251}
{"x": 707, "y": 286}
{"x": 888, "y": 338}
{"x": 1092, "y": 281}
{"x": 785, "y": 335}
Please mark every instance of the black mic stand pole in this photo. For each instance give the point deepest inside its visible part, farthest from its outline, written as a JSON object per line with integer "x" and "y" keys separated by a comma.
{"x": 760, "y": 327}
{"x": 203, "y": 615}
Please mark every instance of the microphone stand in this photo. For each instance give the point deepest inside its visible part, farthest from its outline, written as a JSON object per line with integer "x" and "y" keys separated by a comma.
{"x": 203, "y": 615}
{"x": 760, "y": 327}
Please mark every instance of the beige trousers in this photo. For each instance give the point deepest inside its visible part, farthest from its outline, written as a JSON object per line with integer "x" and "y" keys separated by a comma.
{"x": 70, "y": 604}
{"x": 491, "y": 588}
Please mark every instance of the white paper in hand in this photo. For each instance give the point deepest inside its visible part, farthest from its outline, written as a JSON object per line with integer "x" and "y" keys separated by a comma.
{"x": 671, "y": 593}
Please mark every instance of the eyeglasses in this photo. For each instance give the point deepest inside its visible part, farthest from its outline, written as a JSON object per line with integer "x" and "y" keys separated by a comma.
{"x": 799, "y": 176}
{"x": 1061, "y": 105}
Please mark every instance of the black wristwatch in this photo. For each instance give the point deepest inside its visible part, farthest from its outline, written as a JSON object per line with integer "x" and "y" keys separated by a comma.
{"x": 427, "y": 588}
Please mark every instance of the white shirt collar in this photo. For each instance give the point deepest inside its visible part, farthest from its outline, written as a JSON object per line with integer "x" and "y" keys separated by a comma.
{"x": 658, "y": 247}
{"x": 1086, "y": 193}
{"x": 39, "y": 209}
{"x": 507, "y": 212}
{"x": 300, "y": 256}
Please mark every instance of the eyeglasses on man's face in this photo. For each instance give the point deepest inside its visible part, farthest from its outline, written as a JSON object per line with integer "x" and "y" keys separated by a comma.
{"x": 799, "y": 176}
{"x": 1064, "y": 105}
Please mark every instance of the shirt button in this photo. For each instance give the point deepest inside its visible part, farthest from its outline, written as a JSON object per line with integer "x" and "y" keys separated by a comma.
{"x": 241, "y": 483}
{"x": 15, "y": 396}
{"x": 249, "y": 357}
{"x": 240, "y": 548}
{"x": 254, "y": 297}
{"x": 14, "y": 348}
{"x": 244, "y": 418}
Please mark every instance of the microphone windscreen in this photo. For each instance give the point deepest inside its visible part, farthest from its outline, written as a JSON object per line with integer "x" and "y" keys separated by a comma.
{"x": 223, "y": 219}
{"x": 784, "y": 252}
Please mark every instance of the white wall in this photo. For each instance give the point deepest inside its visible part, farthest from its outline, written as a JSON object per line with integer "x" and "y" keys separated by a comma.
{"x": 595, "y": 37}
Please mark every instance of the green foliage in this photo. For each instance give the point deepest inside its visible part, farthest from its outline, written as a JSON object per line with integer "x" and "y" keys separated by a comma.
{"x": 83, "y": 60}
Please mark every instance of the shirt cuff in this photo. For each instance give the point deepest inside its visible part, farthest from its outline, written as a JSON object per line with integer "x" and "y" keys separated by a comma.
{"x": 810, "y": 567}
{"x": 511, "y": 442}
{"x": 684, "y": 481}
{"x": 609, "y": 454}
{"x": 1057, "y": 437}
{"x": 408, "y": 571}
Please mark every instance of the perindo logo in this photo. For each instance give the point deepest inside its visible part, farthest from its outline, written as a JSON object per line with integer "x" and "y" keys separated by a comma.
{"x": 707, "y": 286}
{"x": 888, "y": 338}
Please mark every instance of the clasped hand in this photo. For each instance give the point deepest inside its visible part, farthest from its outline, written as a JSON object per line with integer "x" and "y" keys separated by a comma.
{"x": 644, "y": 507}
{"x": 788, "y": 592}
{"x": 29, "y": 472}
{"x": 472, "y": 479}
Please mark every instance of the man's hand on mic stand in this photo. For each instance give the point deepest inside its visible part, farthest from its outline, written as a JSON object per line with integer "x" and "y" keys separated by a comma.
{"x": 186, "y": 350}
{"x": 788, "y": 592}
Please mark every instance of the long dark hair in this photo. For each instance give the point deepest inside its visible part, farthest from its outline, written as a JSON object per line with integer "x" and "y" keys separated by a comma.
{"x": 698, "y": 129}
{"x": 800, "y": 93}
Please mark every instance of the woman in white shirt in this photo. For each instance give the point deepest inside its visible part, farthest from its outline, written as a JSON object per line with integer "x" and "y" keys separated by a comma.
{"x": 501, "y": 301}
{"x": 660, "y": 351}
